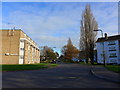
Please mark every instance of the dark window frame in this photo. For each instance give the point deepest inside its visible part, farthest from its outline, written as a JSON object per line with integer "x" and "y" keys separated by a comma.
{"x": 112, "y": 56}
{"x": 113, "y": 50}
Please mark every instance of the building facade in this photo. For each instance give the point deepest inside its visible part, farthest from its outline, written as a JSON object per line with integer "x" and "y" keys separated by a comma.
{"x": 18, "y": 48}
{"x": 111, "y": 50}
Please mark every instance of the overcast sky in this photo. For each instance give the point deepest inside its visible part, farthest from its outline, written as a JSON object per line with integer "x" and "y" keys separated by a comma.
{"x": 52, "y": 23}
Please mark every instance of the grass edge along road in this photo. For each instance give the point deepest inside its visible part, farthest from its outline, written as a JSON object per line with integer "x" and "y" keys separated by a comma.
{"x": 114, "y": 68}
{"x": 22, "y": 67}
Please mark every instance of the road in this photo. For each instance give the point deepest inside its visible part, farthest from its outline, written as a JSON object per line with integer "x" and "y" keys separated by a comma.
{"x": 62, "y": 76}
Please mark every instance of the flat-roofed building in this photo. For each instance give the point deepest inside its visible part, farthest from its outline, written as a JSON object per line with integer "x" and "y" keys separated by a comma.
{"x": 18, "y": 48}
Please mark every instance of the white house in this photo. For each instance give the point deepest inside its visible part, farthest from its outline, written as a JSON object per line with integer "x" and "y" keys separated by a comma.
{"x": 111, "y": 50}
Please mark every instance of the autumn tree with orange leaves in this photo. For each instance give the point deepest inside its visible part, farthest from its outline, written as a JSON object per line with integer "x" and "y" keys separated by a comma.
{"x": 69, "y": 51}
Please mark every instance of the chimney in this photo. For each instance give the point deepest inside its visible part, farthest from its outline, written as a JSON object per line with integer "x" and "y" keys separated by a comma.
{"x": 106, "y": 36}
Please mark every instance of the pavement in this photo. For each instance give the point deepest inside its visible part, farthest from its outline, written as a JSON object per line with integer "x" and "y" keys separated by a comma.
{"x": 62, "y": 76}
{"x": 103, "y": 73}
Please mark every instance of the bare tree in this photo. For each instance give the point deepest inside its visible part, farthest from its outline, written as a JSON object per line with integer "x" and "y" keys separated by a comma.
{"x": 87, "y": 35}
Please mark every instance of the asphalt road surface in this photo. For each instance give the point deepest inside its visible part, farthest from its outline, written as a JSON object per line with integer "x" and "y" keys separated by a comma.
{"x": 62, "y": 76}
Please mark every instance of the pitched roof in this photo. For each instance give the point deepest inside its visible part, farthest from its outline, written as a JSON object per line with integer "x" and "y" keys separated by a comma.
{"x": 110, "y": 38}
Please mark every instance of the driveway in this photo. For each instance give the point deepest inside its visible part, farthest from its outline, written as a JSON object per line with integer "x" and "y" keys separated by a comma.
{"x": 62, "y": 76}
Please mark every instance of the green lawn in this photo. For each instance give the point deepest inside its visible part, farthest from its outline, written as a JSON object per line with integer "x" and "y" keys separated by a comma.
{"x": 18, "y": 67}
{"x": 115, "y": 68}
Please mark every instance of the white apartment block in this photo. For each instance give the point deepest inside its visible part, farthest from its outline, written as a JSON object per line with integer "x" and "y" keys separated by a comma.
{"x": 111, "y": 50}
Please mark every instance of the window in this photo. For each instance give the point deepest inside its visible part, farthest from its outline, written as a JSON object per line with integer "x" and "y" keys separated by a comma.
{"x": 21, "y": 40}
{"x": 102, "y": 60}
{"x": 28, "y": 62}
{"x": 21, "y": 57}
{"x": 112, "y": 49}
{"x": 102, "y": 55}
{"x": 25, "y": 35}
{"x": 22, "y": 49}
{"x": 111, "y": 43}
{"x": 113, "y": 61}
{"x": 112, "y": 55}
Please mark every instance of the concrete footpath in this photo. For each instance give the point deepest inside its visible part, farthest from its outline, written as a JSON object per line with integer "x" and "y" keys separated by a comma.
{"x": 103, "y": 73}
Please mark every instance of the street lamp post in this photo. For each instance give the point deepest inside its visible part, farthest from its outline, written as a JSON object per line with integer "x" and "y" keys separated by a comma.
{"x": 102, "y": 44}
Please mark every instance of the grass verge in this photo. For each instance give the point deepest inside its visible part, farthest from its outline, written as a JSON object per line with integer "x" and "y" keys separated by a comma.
{"x": 115, "y": 68}
{"x": 21, "y": 67}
